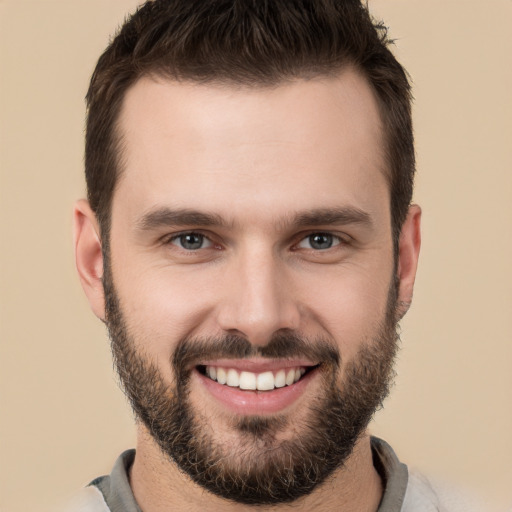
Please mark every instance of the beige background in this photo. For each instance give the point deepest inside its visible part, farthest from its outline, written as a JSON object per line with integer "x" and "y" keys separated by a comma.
{"x": 63, "y": 421}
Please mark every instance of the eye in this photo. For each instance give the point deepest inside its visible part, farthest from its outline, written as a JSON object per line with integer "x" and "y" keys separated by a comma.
{"x": 319, "y": 241}
{"x": 191, "y": 241}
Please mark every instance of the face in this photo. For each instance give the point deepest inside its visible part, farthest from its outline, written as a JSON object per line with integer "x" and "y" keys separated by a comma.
{"x": 250, "y": 285}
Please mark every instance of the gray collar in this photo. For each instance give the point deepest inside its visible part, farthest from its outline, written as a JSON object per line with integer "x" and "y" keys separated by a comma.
{"x": 394, "y": 476}
{"x": 116, "y": 488}
{"x": 118, "y": 495}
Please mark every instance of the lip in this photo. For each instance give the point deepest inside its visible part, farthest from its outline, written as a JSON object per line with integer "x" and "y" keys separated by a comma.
{"x": 250, "y": 403}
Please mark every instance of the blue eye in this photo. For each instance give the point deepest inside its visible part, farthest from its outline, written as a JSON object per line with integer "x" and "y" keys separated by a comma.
{"x": 319, "y": 241}
{"x": 191, "y": 241}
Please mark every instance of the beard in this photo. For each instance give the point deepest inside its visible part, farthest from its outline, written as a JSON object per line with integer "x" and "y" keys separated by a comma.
{"x": 263, "y": 467}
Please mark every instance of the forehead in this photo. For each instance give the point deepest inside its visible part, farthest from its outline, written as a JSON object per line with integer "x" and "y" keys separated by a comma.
{"x": 318, "y": 140}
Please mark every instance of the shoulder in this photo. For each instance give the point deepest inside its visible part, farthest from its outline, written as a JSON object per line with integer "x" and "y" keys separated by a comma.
{"x": 88, "y": 499}
{"x": 427, "y": 495}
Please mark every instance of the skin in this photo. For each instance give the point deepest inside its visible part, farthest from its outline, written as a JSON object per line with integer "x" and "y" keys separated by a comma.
{"x": 257, "y": 159}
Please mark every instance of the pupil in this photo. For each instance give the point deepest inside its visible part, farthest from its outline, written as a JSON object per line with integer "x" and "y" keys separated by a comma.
{"x": 320, "y": 241}
{"x": 191, "y": 241}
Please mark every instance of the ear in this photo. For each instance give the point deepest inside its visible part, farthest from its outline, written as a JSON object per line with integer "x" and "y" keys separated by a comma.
{"x": 88, "y": 256}
{"x": 408, "y": 253}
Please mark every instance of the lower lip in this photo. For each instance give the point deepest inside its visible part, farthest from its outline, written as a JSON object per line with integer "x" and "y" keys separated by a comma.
{"x": 256, "y": 402}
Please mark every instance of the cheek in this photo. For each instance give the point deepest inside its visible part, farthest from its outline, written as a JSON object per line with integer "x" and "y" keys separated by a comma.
{"x": 161, "y": 306}
{"x": 350, "y": 306}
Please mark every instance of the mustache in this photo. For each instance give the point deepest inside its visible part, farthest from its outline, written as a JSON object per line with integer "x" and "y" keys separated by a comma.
{"x": 283, "y": 345}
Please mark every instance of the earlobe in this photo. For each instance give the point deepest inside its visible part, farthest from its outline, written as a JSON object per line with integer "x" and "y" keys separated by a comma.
{"x": 88, "y": 255}
{"x": 409, "y": 250}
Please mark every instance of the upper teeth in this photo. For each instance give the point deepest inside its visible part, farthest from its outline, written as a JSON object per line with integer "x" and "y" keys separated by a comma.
{"x": 248, "y": 380}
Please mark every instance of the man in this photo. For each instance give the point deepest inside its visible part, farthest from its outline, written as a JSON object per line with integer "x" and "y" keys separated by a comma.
{"x": 250, "y": 243}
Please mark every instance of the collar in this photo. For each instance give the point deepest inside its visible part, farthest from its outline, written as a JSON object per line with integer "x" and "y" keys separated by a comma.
{"x": 118, "y": 494}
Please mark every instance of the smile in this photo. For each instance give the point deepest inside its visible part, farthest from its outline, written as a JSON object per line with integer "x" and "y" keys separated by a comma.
{"x": 251, "y": 381}
{"x": 255, "y": 389}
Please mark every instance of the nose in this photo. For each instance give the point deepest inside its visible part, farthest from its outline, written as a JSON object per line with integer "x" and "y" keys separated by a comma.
{"x": 258, "y": 298}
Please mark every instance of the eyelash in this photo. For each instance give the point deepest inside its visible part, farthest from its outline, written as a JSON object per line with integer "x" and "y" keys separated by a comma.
{"x": 204, "y": 237}
{"x": 337, "y": 240}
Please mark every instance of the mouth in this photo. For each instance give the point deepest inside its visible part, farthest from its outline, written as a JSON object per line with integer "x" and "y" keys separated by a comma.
{"x": 255, "y": 389}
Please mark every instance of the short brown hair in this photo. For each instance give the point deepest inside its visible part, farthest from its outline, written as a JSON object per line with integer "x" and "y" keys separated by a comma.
{"x": 253, "y": 43}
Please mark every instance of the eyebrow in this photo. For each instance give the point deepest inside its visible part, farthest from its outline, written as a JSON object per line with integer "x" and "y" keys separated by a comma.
{"x": 165, "y": 217}
{"x": 330, "y": 216}
{"x": 179, "y": 217}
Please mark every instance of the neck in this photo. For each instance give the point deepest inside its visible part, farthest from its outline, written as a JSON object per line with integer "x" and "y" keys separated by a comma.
{"x": 158, "y": 485}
